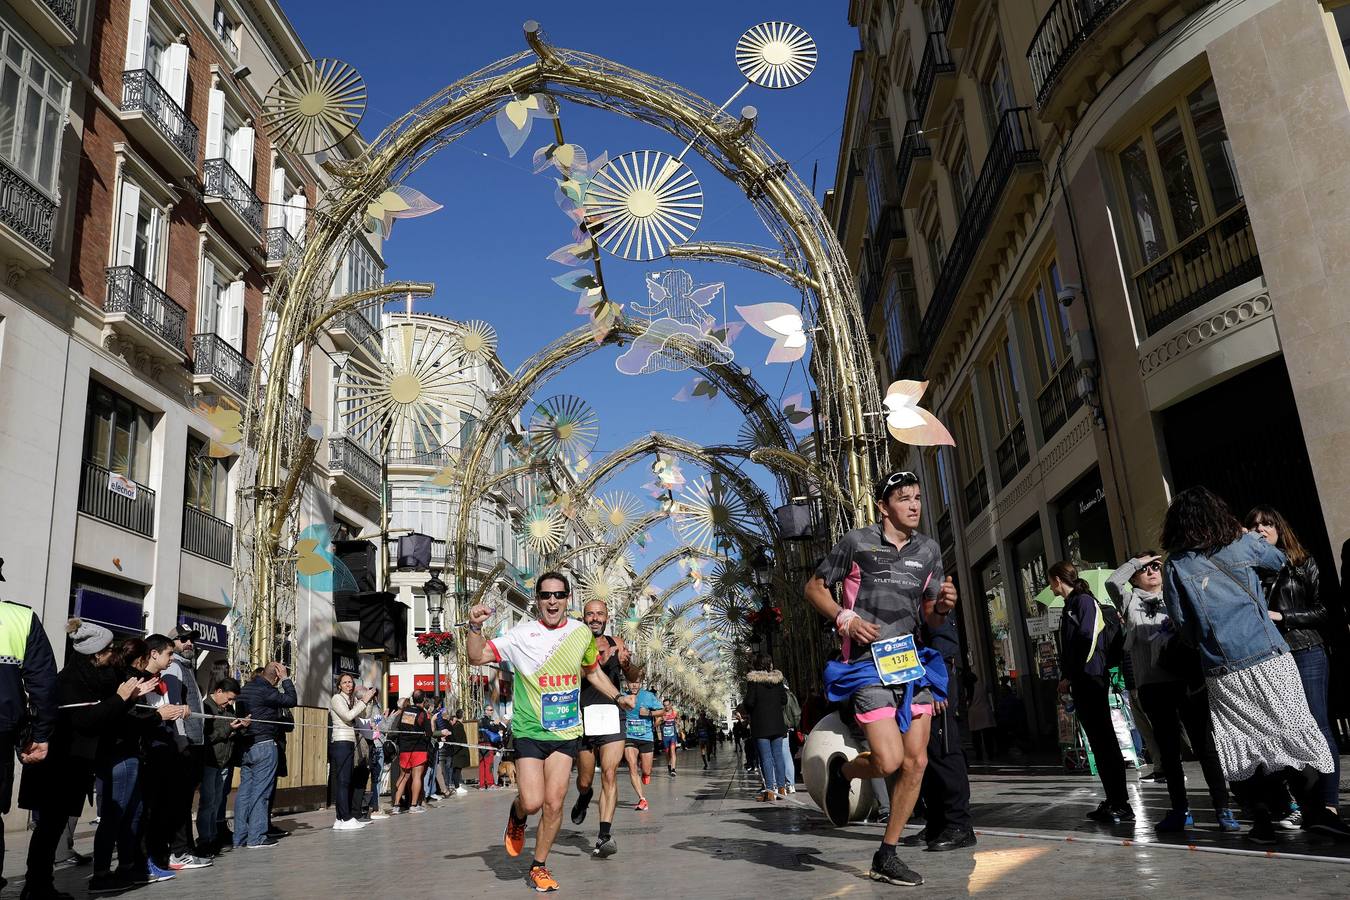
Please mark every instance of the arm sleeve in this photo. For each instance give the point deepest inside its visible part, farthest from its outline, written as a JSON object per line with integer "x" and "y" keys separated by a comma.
{"x": 39, "y": 680}
{"x": 1314, "y": 613}
{"x": 836, "y": 563}
{"x": 1267, "y": 555}
{"x": 1118, "y": 583}
{"x": 288, "y": 699}
{"x": 933, "y": 585}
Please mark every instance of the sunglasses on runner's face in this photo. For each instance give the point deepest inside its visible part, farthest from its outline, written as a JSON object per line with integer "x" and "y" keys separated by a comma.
{"x": 897, "y": 478}
{"x": 556, "y": 595}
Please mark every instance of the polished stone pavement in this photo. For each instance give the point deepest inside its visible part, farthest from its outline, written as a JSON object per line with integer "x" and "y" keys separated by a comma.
{"x": 705, "y": 837}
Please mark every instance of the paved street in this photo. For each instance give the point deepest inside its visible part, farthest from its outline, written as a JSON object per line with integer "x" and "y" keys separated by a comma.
{"x": 704, "y": 837}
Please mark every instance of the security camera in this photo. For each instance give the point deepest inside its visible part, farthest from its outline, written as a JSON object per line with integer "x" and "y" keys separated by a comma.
{"x": 1068, "y": 293}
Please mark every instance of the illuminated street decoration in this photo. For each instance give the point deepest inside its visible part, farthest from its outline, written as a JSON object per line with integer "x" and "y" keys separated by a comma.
{"x": 782, "y": 322}
{"x": 542, "y": 529}
{"x": 680, "y": 334}
{"x": 907, "y": 422}
{"x": 314, "y": 106}
{"x": 708, "y": 510}
{"x": 564, "y": 426}
{"x": 643, "y": 202}
{"x": 776, "y": 55}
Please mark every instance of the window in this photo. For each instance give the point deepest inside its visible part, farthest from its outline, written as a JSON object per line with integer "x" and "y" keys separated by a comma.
{"x": 228, "y": 136}
{"x": 1048, "y": 322}
{"x": 226, "y": 28}
{"x": 932, "y": 16}
{"x": 899, "y": 302}
{"x": 288, "y": 204}
{"x": 938, "y": 466}
{"x": 32, "y": 113}
{"x": 358, "y": 270}
{"x": 963, "y": 178}
{"x": 151, "y": 46}
{"x": 1178, "y": 175}
{"x": 207, "y": 479}
{"x": 968, "y": 457}
{"x": 117, "y": 434}
{"x": 996, "y": 90}
{"x": 220, "y": 306}
{"x": 1004, "y": 386}
{"x": 141, "y": 227}
{"x": 937, "y": 252}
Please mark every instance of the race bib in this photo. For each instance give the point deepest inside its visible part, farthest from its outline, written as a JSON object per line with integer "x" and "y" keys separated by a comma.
{"x": 897, "y": 659}
{"x": 636, "y": 731}
{"x": 561, "y": 710}
{"x": 668, "y": 729}
{"x": 601, "y": 719}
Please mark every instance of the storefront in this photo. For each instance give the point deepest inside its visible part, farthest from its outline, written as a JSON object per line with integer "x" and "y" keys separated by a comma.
{"x": 1084, "y": 525}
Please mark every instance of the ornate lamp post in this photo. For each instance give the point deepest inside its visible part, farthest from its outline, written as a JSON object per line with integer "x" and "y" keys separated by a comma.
{"x": 434, "y": 590}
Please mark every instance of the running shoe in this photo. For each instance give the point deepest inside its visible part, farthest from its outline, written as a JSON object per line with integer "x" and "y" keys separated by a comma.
{"x": 418, "y": 809}
{"x": 837, "y": 792}
{"x": 672, "y": 772}
{"x": 919, "y": 838}
{"x": 514, "y": 836}
{"x": 605, "y": 849}
{"x": 580, "y": 808}
{"x": 461, "y": 790}
{"x": 155, "y": 873}
{"x": 266, "y": 843}
{"x": 1102, "y": 814}
{"x": 541, "y": 880}
{"x": 1228, "y": 821}
{"x": 378, "y": 815}
{"x": 1324, "y": 821}
{"x": 641, "y": 805}
{"x": 887, "y": 868}
{"x": 1293, "y": 821}
{"x": 646, "y": 779}
{"x": 952, "y": 838}
{"x": 1175, "y": 820}
{"x": 109, "y": 882}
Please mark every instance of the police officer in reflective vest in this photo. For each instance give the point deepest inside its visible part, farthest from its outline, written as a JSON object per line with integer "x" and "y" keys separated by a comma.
{"x": 27, "y": 694}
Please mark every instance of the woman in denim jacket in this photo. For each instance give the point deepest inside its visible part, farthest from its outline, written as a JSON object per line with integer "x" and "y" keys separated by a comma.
{"x": 1262, "y": 726}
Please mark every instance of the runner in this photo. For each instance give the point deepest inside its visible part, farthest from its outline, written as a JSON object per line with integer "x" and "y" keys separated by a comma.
{"x": 704, "y": 730}
{"x": 670, "y": 736}
{"x": 604, "y": 732}
{"x": 549, "y": 657}
{"x": 892, "y": 584}
{"x": 640, "y": 744}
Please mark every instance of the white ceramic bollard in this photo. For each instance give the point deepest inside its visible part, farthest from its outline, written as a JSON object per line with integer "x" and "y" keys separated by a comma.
{"x": 831, "y": 736}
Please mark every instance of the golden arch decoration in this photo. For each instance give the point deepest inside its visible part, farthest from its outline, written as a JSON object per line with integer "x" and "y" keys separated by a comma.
{"x": 845, "y": 379}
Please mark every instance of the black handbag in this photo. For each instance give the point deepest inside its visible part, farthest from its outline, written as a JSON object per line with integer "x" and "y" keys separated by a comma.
{"x": 1180, "y": 659}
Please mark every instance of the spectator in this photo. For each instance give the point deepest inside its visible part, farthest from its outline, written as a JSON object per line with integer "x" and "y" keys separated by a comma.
{"x": 489, "y": 736}
{"x": 185, "y": 773}
{"x": 263, "y": 700}
{"x": 161, "y": 756}
{"x": 344, "y": 708}
{"x": 1262, "y": 727}
{"x": 414, "y": 743}
{"x": 222, "y": 727}
{"x": 372, "y": 730}
{"x": 454, "y": 751}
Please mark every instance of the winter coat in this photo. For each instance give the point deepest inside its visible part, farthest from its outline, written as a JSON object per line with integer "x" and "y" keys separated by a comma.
{"x": 765, "y": 701}
{"x": 1295, "y": 593}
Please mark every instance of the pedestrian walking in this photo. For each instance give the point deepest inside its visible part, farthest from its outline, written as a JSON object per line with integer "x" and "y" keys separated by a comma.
{"x": 1263, "y": 729}
{"x": 765, "y": 699}
{"x": 264, "y": 700}
{"x": 344, "y": 708}
{"x": 222, "y": 728}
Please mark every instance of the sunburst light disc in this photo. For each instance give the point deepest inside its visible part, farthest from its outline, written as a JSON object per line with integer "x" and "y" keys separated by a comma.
{"x": 707, "y": 512}
{"x": 543, "y": 529}
{"x": 315, "y": 105}
{"x": 618, "y": 511}
{"x": 564, "y": 425}
{"x": 476, "y": 340}
{"x": 642, "y": 202}
{"x": 776, "y": 55}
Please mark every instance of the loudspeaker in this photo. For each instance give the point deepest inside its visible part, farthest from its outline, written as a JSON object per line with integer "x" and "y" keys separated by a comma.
{"x": 414, "y": 551}
{"x": 384, "y": 625}
{"x": 796, "y": 522}
{"x": 359, "y": 558}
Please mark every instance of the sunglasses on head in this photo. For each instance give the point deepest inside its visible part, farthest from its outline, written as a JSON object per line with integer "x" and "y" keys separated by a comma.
{"x": 556, "y": 595}
{"x": 897, "y": 478}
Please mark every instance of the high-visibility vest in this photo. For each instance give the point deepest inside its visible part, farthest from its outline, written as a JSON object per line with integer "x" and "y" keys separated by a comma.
{"x": 16, "y": 622}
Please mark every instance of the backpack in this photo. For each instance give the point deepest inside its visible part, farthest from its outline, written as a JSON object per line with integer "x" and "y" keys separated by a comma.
{"x": 1112, "y": 636}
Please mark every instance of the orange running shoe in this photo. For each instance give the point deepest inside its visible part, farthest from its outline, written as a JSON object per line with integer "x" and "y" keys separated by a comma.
{"x": 540, "y": 879}
{"x": 514, "y": 836}
{"x": 646, "y": 779}
{"x": 641, "y": 805}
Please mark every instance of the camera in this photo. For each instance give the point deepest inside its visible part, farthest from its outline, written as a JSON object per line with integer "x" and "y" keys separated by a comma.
{"x": 1067, "y": 294}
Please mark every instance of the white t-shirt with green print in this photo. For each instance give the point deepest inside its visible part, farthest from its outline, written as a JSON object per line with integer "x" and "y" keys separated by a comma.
{"x": 549, "y": 664}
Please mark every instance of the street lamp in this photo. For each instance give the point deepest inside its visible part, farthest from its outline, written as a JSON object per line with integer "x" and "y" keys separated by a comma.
{"x": 434, "y": 590}
{"x": 760, "y": 565}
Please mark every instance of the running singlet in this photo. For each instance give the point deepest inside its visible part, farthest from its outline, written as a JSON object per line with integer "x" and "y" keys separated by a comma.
{"x": 668, "y": 726}
{"x": 549, "y": 663}
{"x": 590, "y": 694}
{"x": 639, "y": 727}
{"x": 883, "y": 584}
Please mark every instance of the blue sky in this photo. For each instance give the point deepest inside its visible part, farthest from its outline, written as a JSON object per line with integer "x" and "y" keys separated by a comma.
{"x": 486, "y": 250}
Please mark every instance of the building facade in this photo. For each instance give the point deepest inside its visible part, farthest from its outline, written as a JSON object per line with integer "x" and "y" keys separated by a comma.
{"x": 1105, "y": 233}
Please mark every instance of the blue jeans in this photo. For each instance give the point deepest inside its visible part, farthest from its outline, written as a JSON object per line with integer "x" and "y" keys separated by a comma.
{"x": 1315, "y": 673}
{"x": 789, "y": 769}
{"x": 211, "y": 806}
{"x": 257, "y": 772}
{"x": 429, "y": 778}
{"x": 119, "y": 817}
{"x": 771, "y": 762}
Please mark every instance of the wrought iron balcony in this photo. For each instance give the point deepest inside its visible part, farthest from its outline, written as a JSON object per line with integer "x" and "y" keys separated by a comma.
{"x": 350, "y": 458}
{"x": 1064, "y": 29}
{"x": 1013, "y": 145}
{"x": 976, "y": 496}
{"x": 406, "y": 454}
{"x": 1202, "y": 267}
{"x": 134, "y": 298}
{"x": 234, "y": 202}
{"x": 1013, "y": 454}
{"x": 28, "y": 214}
{"x": 913, "y": 149}
{"x": 281, "y": 246}
{"x": 936, "y": 61}
{"x": 1059, "y": 399}
{"x": 159, "y": 122}
{"x": 54, "y": 20}
{"x": 206, "y": 535}
{"x": 97, "y": 499}
{"x": 216, "y": 363}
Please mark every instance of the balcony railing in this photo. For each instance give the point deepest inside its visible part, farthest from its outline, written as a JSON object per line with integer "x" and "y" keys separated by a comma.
{"x": 25, "y": 210}
{"x": 212, "y": 356}
{"x": 65, "y": 10}
{"x": 345, "y": 455}
{"x": 976, "y": 495}
{"x": 1059, "y": 399}
{"x": 912, "y": 146}
{"x": 142, "y": 93}
{"x": 1065, "y": 28}
{"x": 1202, "y": 267}
{"x": 280, "y": 245}
{"x": 1013, "y": 454}
{"x": 362, "y": 331}
{"x": 205, "y": 535}
{"x": 132, "y": 293}
{"x": 937, "y": 60}
{"x": 410, "y": 455}
{"x": 1013, "y": 144}
{"x": 100, "y": 501}
{"x": 221, "y": 180}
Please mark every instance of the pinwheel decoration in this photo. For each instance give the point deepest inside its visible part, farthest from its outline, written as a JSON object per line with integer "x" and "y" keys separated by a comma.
{"x": 400, "y": 202}
{"x": 782, "y": 322}
{"x": 642, "y": 202}
{"x": 907, "y": 422}
{"x": 564, "y": 426}
{"x": 618, "y": 511}
{"x": 476, "y": 340}
{"x": 603, "y": 584}
{"x": 776, "y": 55}
{"x": 543, "y": 529}
{"x": 707, "y": 510}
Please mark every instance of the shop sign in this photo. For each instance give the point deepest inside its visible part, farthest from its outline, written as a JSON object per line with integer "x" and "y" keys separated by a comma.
{"x": 210, "y": 635}
{"x": 122, "y": 486}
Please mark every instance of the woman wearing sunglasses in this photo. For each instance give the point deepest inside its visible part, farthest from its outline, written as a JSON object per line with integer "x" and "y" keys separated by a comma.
{"x": 1170, "y": 699}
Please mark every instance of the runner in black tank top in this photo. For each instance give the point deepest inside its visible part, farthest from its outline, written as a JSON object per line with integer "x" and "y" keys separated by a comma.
{"x": 604, "y": 728}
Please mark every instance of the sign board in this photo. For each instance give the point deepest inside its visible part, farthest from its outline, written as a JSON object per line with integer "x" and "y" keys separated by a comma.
{"x": 421, "y": 683}
{"x": 210, "y": 635}
{"x": 118, "y": 613}
{"x": 122, "y": 486}
{"x": 1039, "y": 626}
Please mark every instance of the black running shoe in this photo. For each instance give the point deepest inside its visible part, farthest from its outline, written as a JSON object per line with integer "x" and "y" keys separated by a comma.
{"x": 1324, "y": 821}
{"x": 837, "y": 791}
{"x": 580, "y": 807}
{"x": 605, "y": 849}
{"x": 1102, "y": 814}
{"x": 887, "y": 868}
{"x": 1123, "y": 814}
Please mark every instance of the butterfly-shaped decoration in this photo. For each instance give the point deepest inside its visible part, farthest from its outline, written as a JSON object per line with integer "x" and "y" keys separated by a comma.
{"x": 400, "y": 202}
{"x": 796, "y": 412}
{"x": 517, "y": 116}
{"x": 316, "y": 567}
{"x": 582, "y": 465}
{"x": 782, "y": 322}
{"x": 907, "y": 422}
{"x": 227, "y": 423}
{"x": 578, "y": 280}
{"x": 563, "y": 157}
{"x": 699, "y": 389}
